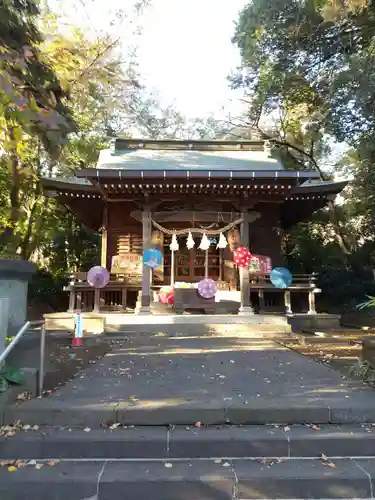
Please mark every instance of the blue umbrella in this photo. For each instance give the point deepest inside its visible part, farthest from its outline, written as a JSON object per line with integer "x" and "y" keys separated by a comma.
{"x": 281, "y": 277}
{"x": 152, "y": 257}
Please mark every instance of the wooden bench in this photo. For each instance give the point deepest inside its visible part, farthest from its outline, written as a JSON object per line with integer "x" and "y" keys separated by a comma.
{"x": 301, "y": 283}
{"x": 112, "y": 297}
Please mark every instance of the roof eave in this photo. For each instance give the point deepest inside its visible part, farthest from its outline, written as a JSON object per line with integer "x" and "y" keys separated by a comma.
{"x": 104, "y": 173}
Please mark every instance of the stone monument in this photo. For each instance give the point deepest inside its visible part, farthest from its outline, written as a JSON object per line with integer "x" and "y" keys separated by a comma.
{"x": 14, "y": 279}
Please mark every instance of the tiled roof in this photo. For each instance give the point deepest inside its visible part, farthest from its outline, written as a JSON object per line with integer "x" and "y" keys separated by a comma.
{"x": 153, "y": 159}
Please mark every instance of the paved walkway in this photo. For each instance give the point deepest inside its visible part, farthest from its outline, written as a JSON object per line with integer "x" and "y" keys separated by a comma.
{"x": 161, "y": 380}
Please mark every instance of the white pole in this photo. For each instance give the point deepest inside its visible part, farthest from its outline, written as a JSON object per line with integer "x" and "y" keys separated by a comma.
{"x": 172, "y": 267}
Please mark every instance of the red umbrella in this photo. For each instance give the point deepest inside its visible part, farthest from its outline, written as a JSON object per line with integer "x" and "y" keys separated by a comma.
{"x": 166, "y": 295}
{"x": 242, "y": 257}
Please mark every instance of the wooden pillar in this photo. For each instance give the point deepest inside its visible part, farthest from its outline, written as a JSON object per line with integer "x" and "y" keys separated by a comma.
{"x": 245, "y": 307}
{"x": 288, "y": 302}
{"x": 261, "y": 300}
{"x": 72, "y": 299}
{"x": 146, "y": 271}
{"x": 124, "y": 298}
{"x": 104, "y": 238}
{"x": 312, "y": 307}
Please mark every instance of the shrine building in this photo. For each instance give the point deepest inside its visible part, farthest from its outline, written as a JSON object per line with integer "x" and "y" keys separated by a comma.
{"x": 147, "y": 193}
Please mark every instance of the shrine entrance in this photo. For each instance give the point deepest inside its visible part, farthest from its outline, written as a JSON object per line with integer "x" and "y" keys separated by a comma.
{"x": 189, "y": 265}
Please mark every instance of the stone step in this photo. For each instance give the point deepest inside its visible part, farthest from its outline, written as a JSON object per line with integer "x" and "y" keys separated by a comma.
{"x": 188, "y": 328}
{"x": 191, "y": 479}
{"x": 258, "y": 411}
{"x": 294, "y": 441}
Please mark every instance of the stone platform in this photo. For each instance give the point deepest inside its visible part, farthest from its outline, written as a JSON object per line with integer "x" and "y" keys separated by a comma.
{"x": 98, "y": 322}
{"x": 212, "y": 377}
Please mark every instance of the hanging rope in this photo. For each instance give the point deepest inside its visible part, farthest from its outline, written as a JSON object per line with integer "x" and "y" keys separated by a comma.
{"x": 181, "y": 232}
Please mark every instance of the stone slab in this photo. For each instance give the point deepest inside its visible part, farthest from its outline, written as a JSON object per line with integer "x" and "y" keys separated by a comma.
{"x": 75, "y": 443}
{"x": 82, "y": 412}
{"x": 182, "y": 481}
{"x": 301, "y": 479}
{"x": 332, "y": 440}
{"x": 253, "y": 441}
{"x": 73, "y": 481}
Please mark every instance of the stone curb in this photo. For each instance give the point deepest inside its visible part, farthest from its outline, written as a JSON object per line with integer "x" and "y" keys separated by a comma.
{"x": 64, "y": 414}
{"x": 196, "y": 480}
{"x": 180, "y": 443}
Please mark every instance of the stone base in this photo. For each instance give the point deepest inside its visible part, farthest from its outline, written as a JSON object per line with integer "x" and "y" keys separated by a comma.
{"x": 92, "y": 322}
{"x": 246, "y": 311}
{"x": 314, "y": 322}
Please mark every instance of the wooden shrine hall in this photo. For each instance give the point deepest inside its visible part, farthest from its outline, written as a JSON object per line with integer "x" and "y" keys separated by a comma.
{"x": 145, "y": 193}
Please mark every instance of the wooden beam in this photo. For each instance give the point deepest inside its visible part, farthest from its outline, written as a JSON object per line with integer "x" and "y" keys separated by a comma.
{"x": 245, "y": 307}
{"x": 104, "y": 238}
{"x": 146, "y": 271}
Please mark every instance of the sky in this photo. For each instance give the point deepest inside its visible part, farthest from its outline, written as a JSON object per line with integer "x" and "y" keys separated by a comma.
{"x": 184, "y": 48}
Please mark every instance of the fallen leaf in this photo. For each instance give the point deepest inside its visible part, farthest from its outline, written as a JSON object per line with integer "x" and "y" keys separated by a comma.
{"x": 53, "y": 463}
{"x": 114, "y": 426}
{"x": 12, "y": 468}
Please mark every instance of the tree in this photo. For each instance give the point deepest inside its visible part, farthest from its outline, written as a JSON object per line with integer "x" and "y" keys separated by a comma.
{"x": 33, "y": 109}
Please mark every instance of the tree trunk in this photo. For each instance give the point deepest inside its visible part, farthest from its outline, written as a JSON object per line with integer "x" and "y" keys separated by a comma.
{"x": 339, "y": 235}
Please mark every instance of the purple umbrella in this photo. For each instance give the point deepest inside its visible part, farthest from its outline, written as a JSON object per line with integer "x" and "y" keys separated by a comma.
{"x": 207, "y": 288}
{"x": 98, "y": 277}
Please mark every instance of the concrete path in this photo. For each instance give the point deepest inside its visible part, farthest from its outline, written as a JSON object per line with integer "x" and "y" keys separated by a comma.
{"x": 157, "y": 380}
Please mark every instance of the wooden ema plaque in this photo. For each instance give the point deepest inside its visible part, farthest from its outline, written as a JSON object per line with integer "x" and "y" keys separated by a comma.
{"x": 130, "y": 265}
{"x": 260, "y": 264}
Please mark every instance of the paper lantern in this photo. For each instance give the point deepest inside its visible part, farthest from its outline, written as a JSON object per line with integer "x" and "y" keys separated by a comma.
{"x": 242, "y": 257}
{"x": 166, "y": 295}
{"x": 190, "y": 243}
{"x": 98, "y": 277}
{"x": 207, "y": 288}
{"x": 205, "y": 243}
{"x": 281, "y": 277}
{"x": 222, "y": 243}
{"x": 174, "y": 246}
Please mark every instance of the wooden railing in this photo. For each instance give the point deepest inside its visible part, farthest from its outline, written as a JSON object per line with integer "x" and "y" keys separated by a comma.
{"x": 114, "y": 297}
{"x": 261, "y": 283}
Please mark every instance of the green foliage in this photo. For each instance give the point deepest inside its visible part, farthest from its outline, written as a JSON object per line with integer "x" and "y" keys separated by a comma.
{"x": 10, "y": 376}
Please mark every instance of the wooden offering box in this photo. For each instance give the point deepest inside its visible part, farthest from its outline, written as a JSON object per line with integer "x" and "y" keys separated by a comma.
{"x": 189, "y": 298}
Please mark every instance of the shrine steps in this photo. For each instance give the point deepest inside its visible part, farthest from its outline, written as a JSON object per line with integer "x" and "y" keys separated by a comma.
{"x": 254, "y": 326}
{"x": 225, "y": 463}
